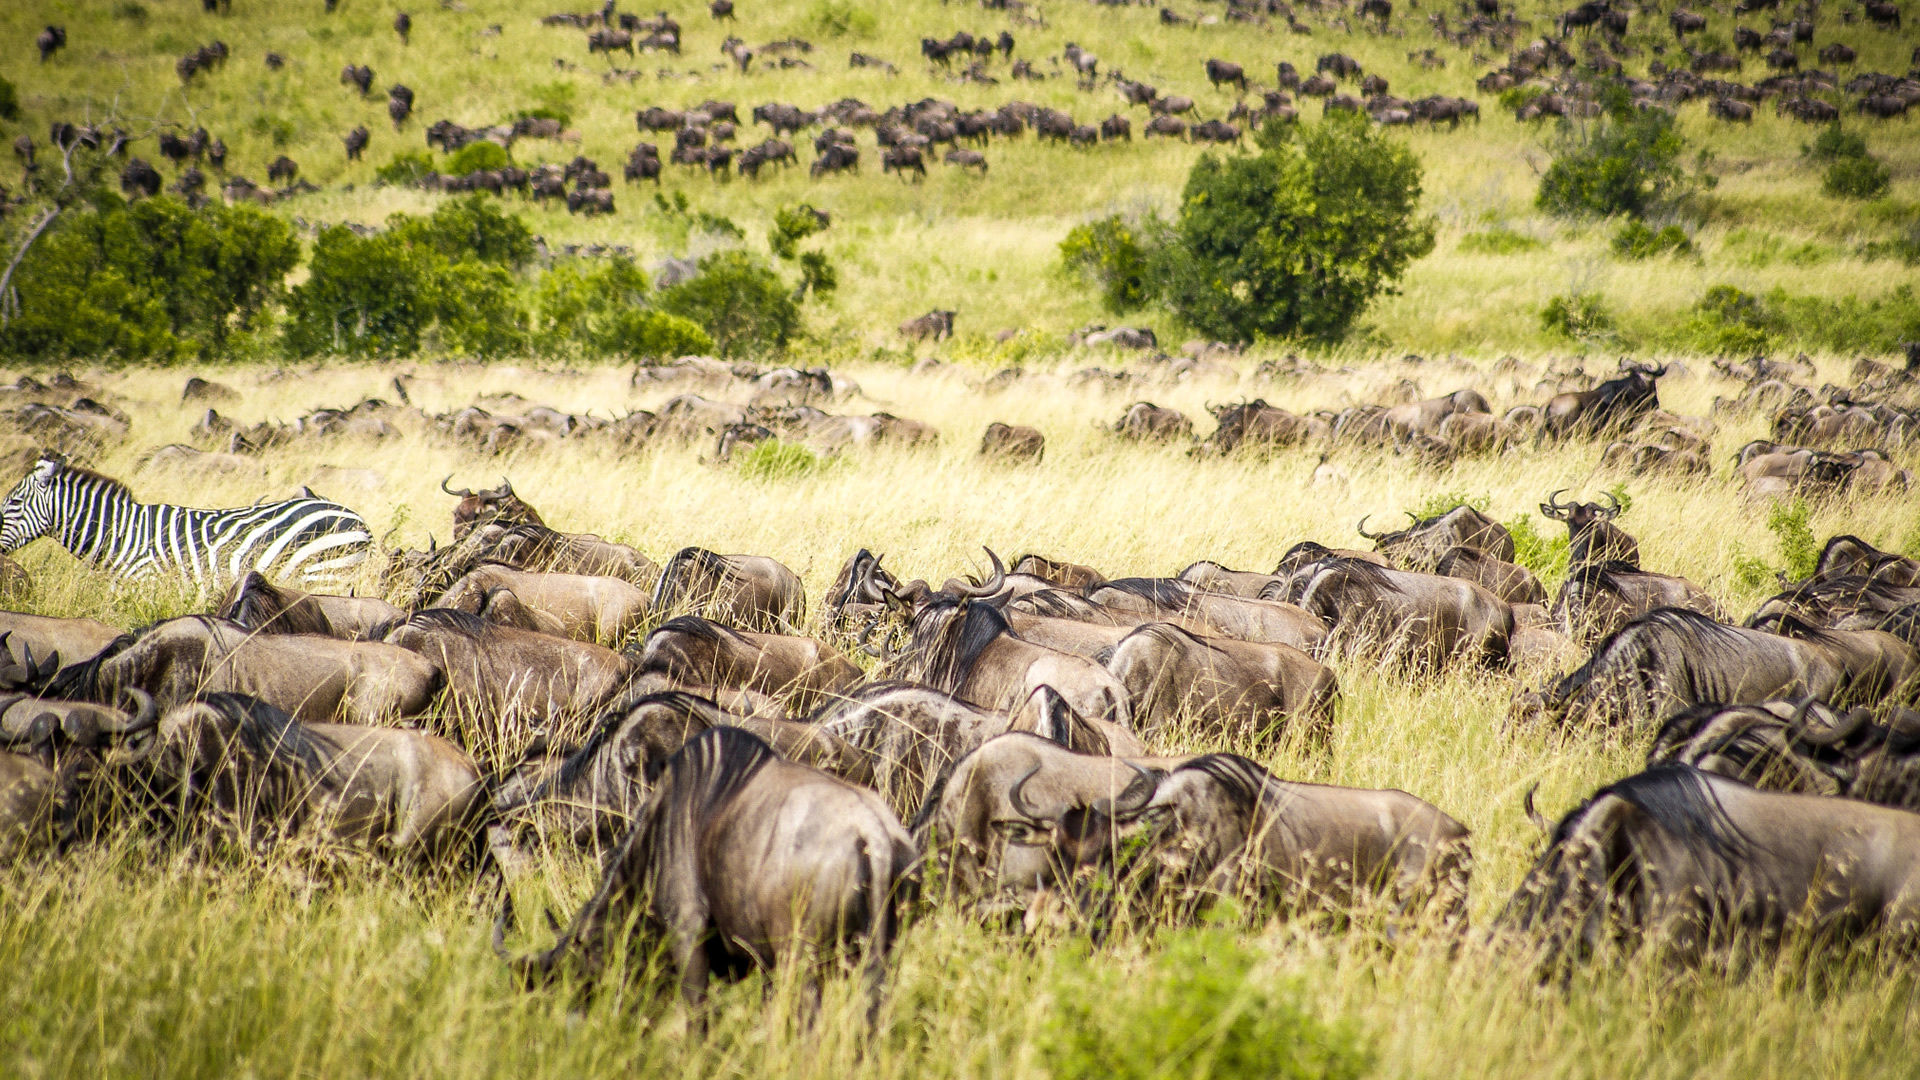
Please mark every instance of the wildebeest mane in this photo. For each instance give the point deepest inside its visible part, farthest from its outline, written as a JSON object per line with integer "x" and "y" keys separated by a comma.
{"x": 949, "y": 636}
{"x": 677, "y": 568}
{"x": 1160, "y": 592}
{"x": 1602, "y": 575}
{"x": 1360, "y": 569}
{"x": 268, "y": 734}
{"x": 1791, "y": 626}
{"x": 710, "y": 769}
{"x": 469, "y": 626}
{"x": 615, "y": 718}
{"x": 81, "y": 681}
{"x": 1703, "y": 637}
{"x": 261, "y": 606}
{"x": 1312, "y": 548}
{"x": 1052, "y": 603}
{"x": 696, "y": 627}
{"x": 1680, "y": 800}
{"x": 1243, "y": 780}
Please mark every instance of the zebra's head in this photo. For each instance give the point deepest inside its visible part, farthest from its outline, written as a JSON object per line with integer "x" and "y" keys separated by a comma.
{"x": 27, "y": 514}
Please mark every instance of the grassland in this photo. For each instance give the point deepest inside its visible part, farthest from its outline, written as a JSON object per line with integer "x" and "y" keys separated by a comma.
{"x": 132, "y": 959}
{"x": 985, "y": 246}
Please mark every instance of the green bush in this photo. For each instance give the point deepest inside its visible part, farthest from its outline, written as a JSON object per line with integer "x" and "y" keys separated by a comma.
{"x": 9, "y": 101}
{"x": 469, "y": 228}
{"x": 739, "y": 301}
{"x": 1576, "y": 315}
{"x": 1515, "y": 98}
{"x": 835, "y": 20}
{"x": 1436, "y": 505}
{"x": 476, "y": 156}
{"x": 406, "y": 168}
{"x": 546, "y": 112}
{"x": 1198, "y": 1008}
{"x": 1298, "y": 239}
{"x": 1729, "y": 321}
{"x": 1638, "y": 240}
{"x": 603, "y": 312}
{"x": 1500, "y": 241}
{"x": 476, "y": 308}
{"x": 774, "y": 460}
{"x": 1834, "y": 143}
{"x": 1857, "y": 178}
{"x": 1547, "y": 556}
{"x": 151, "y": 280}
{"x": 1109, "y": 255}
{"x": 791, "y": 224}
{"x": 1625, "y": 162}
{"x": 1902, "y": 243}
{"x": 364, "y": 296}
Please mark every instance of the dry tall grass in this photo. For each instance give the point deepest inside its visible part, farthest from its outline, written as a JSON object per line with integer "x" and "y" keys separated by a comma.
{"x": 131, "y": 959}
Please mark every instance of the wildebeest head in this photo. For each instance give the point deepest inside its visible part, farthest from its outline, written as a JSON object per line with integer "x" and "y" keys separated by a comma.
{"x": 488, "y": 504}
{"x": 1590, "y": 529}
{"x": 1419, "y": 546}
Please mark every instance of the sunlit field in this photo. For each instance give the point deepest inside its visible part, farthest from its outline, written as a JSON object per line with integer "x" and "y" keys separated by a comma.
{"x": 132, "y": 956}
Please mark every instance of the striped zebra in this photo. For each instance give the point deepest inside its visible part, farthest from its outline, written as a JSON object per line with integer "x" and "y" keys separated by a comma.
{"x": 96, "y": 518}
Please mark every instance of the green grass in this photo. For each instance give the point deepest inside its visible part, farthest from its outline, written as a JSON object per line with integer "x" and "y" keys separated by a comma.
{"x": 985, "y": 246}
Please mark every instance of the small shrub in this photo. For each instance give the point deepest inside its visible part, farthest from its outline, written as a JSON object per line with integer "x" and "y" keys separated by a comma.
{"x": 1790, "y": 524}
{"x": 1626, "y": 162}
{"x": 1577, "y": 315}
{"x": 817, "y": 274}
{"x": 1621, "y": 496}
{"x": 477, "y": 310}
{"x": 603, "y": 311}
{"x": 791, "y": 224}
{"x": 364, "y": 296}
{"x": 1638, "y": 240}
{"x": 406, "y": 168}
{"x": 773, "y": 461}
{"x": 1109, "y": 254}
{"x": 132, "y": 11}
{"x": 469, "y": 228}
{"x": 9, "y": 101}
{"x": 1198, "y": 1008}
{"x": 1499, "y": 241}
{"x": 555, "y": 99}
{"x": 476, "y": 156}
{"x": 1834, "y": 143}
{"x": 837, "y": 20}
{"x": 1857, "y": 178}
{"x": 739, "y": 301}
{"x": 1515, "y": 98}
{"x": 278, "y": 130}
{"x": 1547, "y": 556}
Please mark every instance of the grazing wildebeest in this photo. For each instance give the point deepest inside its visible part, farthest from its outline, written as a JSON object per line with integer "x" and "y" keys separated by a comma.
{"x": 1255, "y": 693}
{"x": 1221, "y": 71}
{"x": 1419, "y": 546}
{"x": 934, "y": 325}
{"x": 238, "y": 763}
{"x": 1259, "y": 427}
{"x": 1212, "y": 576}
{"x": 356, "y": 142}
{"x": 800, "y": 669}
{"x": 282, "y": 170}
{"x": 751, "y": 591}
{"x": 1845, "y": 602}
{"x": 140, "y": 178}
{"x": 1425, "y": 417}
{"x": 903, "y": 160}
{"x": 585, "y": 607}
{"x": 358, "y": 76}
{"x": 1691, "y": 864}
{"x": 1063, "y": 574}
{"x": 1599, "y": 598}
{"x": 1592, "y": 535}
{"x": 1146, "y": 422}
{"x": 50, "y": 41}
{"x": 1611, "y": 405}
{"x": 1844, "y": 555}
{"x": 315, "y": 678}
{"x": 1672, "y": 659}
{"x": 263, "y": 607}
{"x": 966, "y": 648}
{"x": 743, "y": 860}
{"x": 1422, "y": 620}
{"x": 1012, "y": 442}
{"x": 1220, "y": 614}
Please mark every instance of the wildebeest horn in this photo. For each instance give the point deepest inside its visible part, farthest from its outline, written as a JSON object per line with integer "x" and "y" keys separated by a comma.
{"x": 1847, "y": 727}
{"x": 463, "y": 493}
{"x": 1551, "y": 509}
{"x": 1654, "y": 373}
{"x": 1362, "y": 529}
{"x": 992, "y": 585}
{"x": 1539, "y": 821}
{"x": 1133, "y": 798}
{"x": 1018, "y": 801}
{"x": 145, "y": 713}
{"x": 506, "y": 487}
{"x": 880, "y": 653}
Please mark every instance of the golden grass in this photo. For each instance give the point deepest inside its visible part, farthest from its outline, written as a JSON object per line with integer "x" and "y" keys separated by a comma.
{"x": 129, "y": 959}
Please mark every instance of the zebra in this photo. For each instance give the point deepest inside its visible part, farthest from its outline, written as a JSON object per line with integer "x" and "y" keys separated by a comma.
{"x": 97, "y": 519}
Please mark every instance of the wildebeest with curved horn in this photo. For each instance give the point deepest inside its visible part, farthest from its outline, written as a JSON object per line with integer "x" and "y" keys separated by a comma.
{"x": 500, "y": 504}
{"x": 263, "y": 607}
{"x": 1806, "y": 748}
{"x": 238, "y": 761}
{"x": 1604, "y": 408}
{"x": 966, "y": 648}
{"x": 1423, "y": 620}
{"x": 414, "y": 576}
{"x": 751, "y": 591}
{"x": 1690, "y": 863}
{"x": 1251, "y": 692}
{"x": 1420, "y": 545}
{"x": 799, "y": 669}
{"x": 1592, "y": 535}
{"x": 743, "y": 860}
{"x": 45, "y": 635}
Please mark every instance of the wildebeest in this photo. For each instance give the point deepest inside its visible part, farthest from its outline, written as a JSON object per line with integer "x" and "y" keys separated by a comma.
{"x": 399, "y": 104}
{"x": 934, "y": 325}
{"x": 1259, "y": 427}
{"x": 257, "y": 604}
{"x": 1012, "y": 442}
{"x": 743, "y": 860}
{"x": 1844, "y": 555}
{"x": 1690, "y": 863}
{"x": 414, "y": 576}
{"x": 1146, "y": 422}
{"x": 1592, "y": 535}
{"x": 358, "y": 76}
{"x": 1425, "y": 417}
{"x": 1253, "y": 693}
{"x": 234, "y": 760}
{"x": 1846, "y": 601}
{"x": 750, "y": 591}
{"x": 315, "y": 678}
{"x": 27, "y": 636}
{"x": 1222, "y": 71}
{"x": 50, "y": 41}
{"x": 903, "y": 160}
{"x": 1672, "y": 659}
{"x": 477, "y": 508}
{"x": 966, "y": 648}
{"x": 282, "y": 170}
{"x": 967, "y": 159}
{"x": 356, "y": 142}
{"x": 584, "y": 607}
{"x": 1419, "y": 546}
{"x": 1237, "y": 617}
{"x": 1063, "y": 574}
{"x": 1423, "y": 620}
{"x": 799, "y": 669}
{"x": 1599, "y": 598}
{"x": 1606, "y": 407}
{"x": 1509, "y": 581}
{"x": 140, "y": 178}
{"x": 1806, "y": 748}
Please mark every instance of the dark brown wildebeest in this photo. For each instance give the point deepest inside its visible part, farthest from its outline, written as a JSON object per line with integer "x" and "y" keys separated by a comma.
{"x": 1116, "y": 127}
{"x": 1846, "y": 555}
{"x": 140, "y": 178}
{"x": 1422, "y": 620}
{"x": 904, "y": 160}
{"x": 399, "y": 105}
{"x": 50, "y": 41}
{"x": 356, "y": 142}
{"x": 1252, "y": 693}
{"x": 1217, "y": 614}
{"x": 1419, "y": 546}
{"x": 403, "y": 25}
{"x": 1592, "y": 535}
{"x": 609, "y": 41}
{"x": 1671, "y": 659}
{"x": 1510, "y": 582}
{"x": 1844, "y": 602}
{"x": 1611, "y": 405}
{"x": 1599, "y": 598}
{"x": 506, "y": 685}
{"x": 282, "y": 170}
{"x": 413, "y": 576}
{"x": 239, "y": 763}
{"x": 1167, "y": 126}
{"x": 1222, "y": 71}
{"x": 256, "y": 604}
{"x": 488, "y": 504}
{"x": 1806, "y": 748}
{"x": 750, "y": 591}
{"x": 585, "y": 607}
{"x": 1425, "y": 417}
{"x": 1339, "y": 64}
{"x": 1691, "y": 864}
{"x": 798, "y": 669}
{"x": 1214, "y": 577}
{"x": 1063, "y": 574}
{"x": 1012, "y": 442}
{"x": 1146, "y": 422}
{"x": 1685, "y": 22}
{"x": 743, "y": 859}
{"x": 966, "y": 648}
{"x": 1258, "y": 427}
{"x": 315, "y": 678}
{"x": 934, "y": 325}
{"x": 1310, "y": 551}
{"x": 359, "y": 76}
{"x": 593, "y": 794}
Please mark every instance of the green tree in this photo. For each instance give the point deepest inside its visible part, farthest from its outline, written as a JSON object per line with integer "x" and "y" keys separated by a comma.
{"x": 740, "y": 302}
{"x": 604, "y": 312}
{"x": 364, "y": 296}
{"x": 1114, "y": 255}
{"x": 469, "y": 228}
{"x": 1298, "y": 239}
{"x": 1626, "y": 161}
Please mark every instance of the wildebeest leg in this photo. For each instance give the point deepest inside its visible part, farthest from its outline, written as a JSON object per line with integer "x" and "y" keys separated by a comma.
{"x": 690, "y": 953}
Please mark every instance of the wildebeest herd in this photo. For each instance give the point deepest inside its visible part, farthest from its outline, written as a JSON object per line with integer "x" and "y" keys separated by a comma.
{"x": 771, "y": 780}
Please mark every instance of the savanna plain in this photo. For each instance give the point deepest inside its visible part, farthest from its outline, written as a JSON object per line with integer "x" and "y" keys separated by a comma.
{"x": 133, "y": 955}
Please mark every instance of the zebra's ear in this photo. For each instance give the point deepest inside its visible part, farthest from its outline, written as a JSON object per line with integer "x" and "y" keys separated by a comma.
{"x": 49, "y": 463}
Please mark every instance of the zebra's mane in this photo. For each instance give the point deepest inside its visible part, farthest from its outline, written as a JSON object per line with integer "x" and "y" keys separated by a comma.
{"x": 80, "y": 472}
